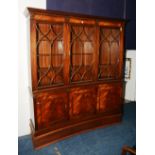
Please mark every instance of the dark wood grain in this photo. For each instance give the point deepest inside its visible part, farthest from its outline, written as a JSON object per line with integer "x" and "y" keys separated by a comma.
{"x": 109, "y": 97}
{"x": 96, "y": 53}
{"x": 67, "y": 53}
{"x": 77, "y": 73}
{"x": 121, "y": 66}
{"x": 33, "y": 54}
{"x": 51, "y": 108}
{"x": 50, "y": 136}
{"x": 39, "y": 12}
{"x": 83, "y": 102}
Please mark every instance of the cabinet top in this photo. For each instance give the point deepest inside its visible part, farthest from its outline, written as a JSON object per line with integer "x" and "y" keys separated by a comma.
{"x": 35, "y": 11}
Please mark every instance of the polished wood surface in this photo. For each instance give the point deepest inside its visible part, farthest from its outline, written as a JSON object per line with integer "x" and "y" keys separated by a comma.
{"x": 51, "y": 109}
{"x": 51, "y": 136}
{"x": 77, "y": 73}
{"x": 83, "y": 102}
{"x": 32, "y": 12}
{"x": 33, "y": 54}
{"x": 109, "y": 97}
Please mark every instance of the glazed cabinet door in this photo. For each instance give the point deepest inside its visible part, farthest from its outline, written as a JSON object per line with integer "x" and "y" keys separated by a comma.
{"x": 82, "y": 50}
{"x": 51, "y": 109}
{"x": 110, "y": 51}
{"x": 109, "y": 97}
{"x": 82, "y": 102}
{"x": 47, "y": 53}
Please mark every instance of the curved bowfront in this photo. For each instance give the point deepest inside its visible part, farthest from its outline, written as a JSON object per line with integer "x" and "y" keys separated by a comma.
{"x": 77, "y": 72}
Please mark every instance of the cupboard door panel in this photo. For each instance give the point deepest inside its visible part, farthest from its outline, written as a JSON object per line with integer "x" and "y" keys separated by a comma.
{"x": 51, "y": 108}
{"x": 82, "y": 102}
{"x": 109, "y": 97}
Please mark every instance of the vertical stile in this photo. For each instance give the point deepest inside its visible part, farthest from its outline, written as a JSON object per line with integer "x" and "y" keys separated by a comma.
{"x": 33, "y": 54}
{"x": 121, "y": 51}
{"x": 66, "y": 52}
{"x": 96, "y": 53}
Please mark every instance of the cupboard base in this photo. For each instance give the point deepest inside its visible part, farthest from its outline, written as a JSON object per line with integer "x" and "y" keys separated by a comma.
{"x": 50, "y": 137}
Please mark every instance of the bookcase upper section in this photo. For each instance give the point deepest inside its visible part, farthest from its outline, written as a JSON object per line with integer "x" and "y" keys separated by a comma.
{"x": 69, "y": 48}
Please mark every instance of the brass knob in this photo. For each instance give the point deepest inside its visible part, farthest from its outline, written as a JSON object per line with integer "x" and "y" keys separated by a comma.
{"x": 121, "y": 29}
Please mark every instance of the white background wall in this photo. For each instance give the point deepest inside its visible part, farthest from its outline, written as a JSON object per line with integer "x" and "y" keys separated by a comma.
{"x": 23, "y": 72}
{"x": 130, "y": 88}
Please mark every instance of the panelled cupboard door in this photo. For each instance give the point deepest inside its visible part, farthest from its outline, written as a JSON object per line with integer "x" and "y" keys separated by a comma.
{"x": 47, "y": 53}
{"x": 51, "y": 109}
{"x": 82, "y": 49}
{"x": 109, "y": 97}
{"x": 82, "y": 102}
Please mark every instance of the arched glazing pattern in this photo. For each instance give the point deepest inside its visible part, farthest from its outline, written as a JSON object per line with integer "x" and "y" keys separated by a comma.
{"x": 50, "y": 53}
{"x": 109, "y": 53}
{"x": 82, "y": 49}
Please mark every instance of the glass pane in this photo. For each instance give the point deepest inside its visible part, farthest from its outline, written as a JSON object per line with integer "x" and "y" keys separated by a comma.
{"x": 50, "y": 53}
{"x": 82, "y": 50}
{"x": 109, "y": 53}
{"x": 44, "y": 47}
